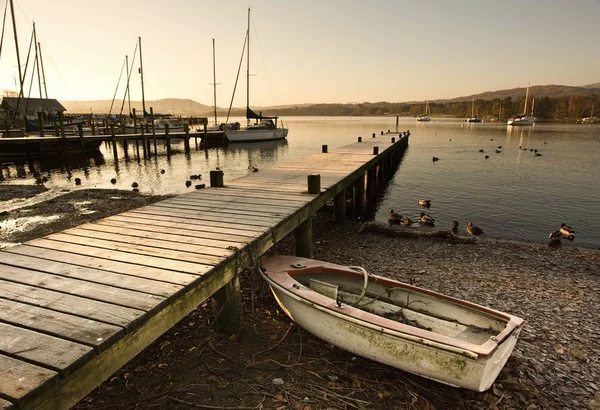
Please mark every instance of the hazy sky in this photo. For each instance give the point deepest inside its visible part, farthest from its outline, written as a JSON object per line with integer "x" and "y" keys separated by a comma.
{"x": 307, "y": 51}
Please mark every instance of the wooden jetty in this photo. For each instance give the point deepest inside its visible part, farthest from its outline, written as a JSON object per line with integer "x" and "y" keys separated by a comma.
{"x": 75, "y": 306}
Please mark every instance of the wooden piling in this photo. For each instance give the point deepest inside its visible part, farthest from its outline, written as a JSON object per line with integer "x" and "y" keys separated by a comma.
{"x": 324, "y": 149}
{"x": 153, "y": 128}
{"x": 216, "y": 178}
{"x": 167, "y": 138}
{"x": 81, "y": 139}
{"x": 228, "y": 307}
{"x": 186, "y": 140}
{"x": 41, "y": 123}
{"x": 376, "y": 150}
{"x": 358, "y": 193}
{"x": 339, "y": 204}
{"x": 303, "y": 239}
{"x": 114, "y": 142}
{"x": 373, "y": 135}
{"x": 314, "y": 184}
{"x": 63, "y": 141}
{"x": 359, "y": 139}
{"x": 134, "y": 121}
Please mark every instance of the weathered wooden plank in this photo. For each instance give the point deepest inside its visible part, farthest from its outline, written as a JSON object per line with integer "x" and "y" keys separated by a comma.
{"x": 205, "y": 220}
{"x": 69, "y": 327}
{"x": 212, "y": 215}
{"x": 214, "y": 197}
{"x": 115, "y": 255}
{"x": 95, "y": 371}
{"x": 42, "y": 350}
{"x": 90, "y": 290}
{"x": 168, "y": 236}
{"x": 17, "y": 379}
{"x": 131, "y": 246}
{"x": 6, "y": 405}
{"x": 149, "y": 241}
{"x": 233, "y": 211}
{"x": 185, "y": 224}
{"x": 251, "y": 194}
{"x": 153, "y": 275}
{"x": 74, "y": 305}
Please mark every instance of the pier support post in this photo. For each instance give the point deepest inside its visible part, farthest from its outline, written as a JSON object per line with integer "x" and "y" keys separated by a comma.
{"x": 397, "y": 121}
{"x": 186, "y": 141}
{"x": 339, "y": 204}
{"x": 228, "y": 307}
{"x": 153, "y": 129}
{"x": 114, "y": 142}
{"x": 81, "y": 139}
{"x": 63, "y": 140}
{"x": 167, "y": 138}
{"x": 134, "y": 121}
{"x": 303, "y": 239}
{"x": 314, "y": 184}
{"x": 40, "y": 123}
{"x": 359, "y": 192}
{"x": 216, "y": 179}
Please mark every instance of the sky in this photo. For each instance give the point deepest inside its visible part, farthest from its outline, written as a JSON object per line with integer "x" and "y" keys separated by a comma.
{"x": 308, "y": 51}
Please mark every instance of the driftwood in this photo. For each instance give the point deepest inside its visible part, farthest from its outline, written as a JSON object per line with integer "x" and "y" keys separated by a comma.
{"x": 413, "y": 233}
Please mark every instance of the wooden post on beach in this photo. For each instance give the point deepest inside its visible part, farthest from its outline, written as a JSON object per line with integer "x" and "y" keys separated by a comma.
{"x": 303, "y": 239}
{"x": 153, "y": 129}
{"x": 81, "y": 139}
{"x": 228, "y": 307}
{"x": 114, "y": 142}
{"x": 41, "y": 123}
{"x": 339, "y": 204}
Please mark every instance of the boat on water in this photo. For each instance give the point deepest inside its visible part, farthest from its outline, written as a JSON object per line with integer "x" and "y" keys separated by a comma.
{"x": 473, "y": 117}
{"x": 524, "y": 119}
{"x": 264, "y": 128}
{"x": 425, "y": 117}
{"x": 413, "y": 329}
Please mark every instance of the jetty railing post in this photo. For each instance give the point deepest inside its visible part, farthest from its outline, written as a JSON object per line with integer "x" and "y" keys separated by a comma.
{"x": 314, "y": 184}
{"x": 359, "y": 139}
{"x": 186, "y": 141}
{"x": 228, "y": 307}
{"x": 40, "y": 123}
{"x": 205, "y": 135}
{"x": 216, "y": 178}
{"x": 114, "y": 142}
{"x": 153, "y": 128}
{"x": 303, "y": 239}
{"x": 167, "y": 138}
{"x": 134, "y": 121}
{"x": 63, "y": 143}
{"x": 324, "y": 149}
{"x": 81, "y": 139}
{"x": 339, "y": 204}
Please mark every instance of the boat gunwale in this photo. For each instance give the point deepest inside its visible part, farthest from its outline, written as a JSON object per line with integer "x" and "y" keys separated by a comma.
{"x": 286, "y": 282}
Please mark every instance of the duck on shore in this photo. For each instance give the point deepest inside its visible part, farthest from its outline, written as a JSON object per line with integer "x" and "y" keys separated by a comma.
{"x": 567, "y": 232}
{"x": 426, "y": 219}
{"x": 555, "y": 236}
{"x": 394, "y": 218}
{"x": 474, "y": 230}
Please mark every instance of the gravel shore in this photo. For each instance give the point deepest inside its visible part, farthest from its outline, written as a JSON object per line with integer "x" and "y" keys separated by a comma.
{"x": 555, "y": 364}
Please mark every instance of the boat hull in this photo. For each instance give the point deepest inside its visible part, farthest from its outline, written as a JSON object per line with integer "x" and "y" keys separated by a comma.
{"x": 247, "y": 135}
{"x": 401, "y": 346}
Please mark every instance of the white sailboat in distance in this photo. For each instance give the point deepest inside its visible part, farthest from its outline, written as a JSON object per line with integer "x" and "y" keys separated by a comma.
{"x": 264, "y": 128}
{"x": 524, "y": 119}
{"x": 425, "y": 117}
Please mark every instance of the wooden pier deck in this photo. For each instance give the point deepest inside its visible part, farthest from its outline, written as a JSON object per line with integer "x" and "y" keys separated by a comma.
{"x": 75, "y": 306}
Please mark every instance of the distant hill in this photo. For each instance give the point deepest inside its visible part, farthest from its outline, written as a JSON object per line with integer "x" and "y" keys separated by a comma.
{"x": 537, "y": 91}
{"x": 181, "y": 107}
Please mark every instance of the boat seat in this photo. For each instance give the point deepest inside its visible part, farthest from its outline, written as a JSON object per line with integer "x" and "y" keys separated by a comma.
{"x": 324, "y": 288}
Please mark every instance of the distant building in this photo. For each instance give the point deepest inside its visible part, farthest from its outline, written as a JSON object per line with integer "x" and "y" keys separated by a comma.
{"x": 30, "y": 106}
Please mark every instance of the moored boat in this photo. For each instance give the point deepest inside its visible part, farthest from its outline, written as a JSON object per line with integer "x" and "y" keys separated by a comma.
{"x": 417, "y": 330}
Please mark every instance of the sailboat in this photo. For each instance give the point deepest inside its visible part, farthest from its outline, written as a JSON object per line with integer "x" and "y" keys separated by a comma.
{"x": 524, "y": 119}
{"x": 425, "y": 117}
{"x": 264, "y": 128}
{"x": 473, "y": 117}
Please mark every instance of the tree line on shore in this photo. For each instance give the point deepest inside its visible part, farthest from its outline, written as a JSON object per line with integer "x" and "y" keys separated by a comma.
{"x": 547, "y": 108}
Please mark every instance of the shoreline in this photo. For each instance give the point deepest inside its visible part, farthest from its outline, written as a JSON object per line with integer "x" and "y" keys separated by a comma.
{"x": 556, "y": 363}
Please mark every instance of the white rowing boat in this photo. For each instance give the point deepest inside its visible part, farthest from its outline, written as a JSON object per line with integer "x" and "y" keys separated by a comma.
{"x": 420, "y": 331}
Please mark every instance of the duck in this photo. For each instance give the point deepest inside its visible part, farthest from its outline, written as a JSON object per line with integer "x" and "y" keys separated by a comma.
{"x": 77, "y": 181}
{"x": 487, "y": 156}
{"x": 188, "y": 183}
{"x": 426, "y": 219}
{"x": 134, "y": 185}
{"x": 474, "y": 230}
{"x": 454, "y": 229}
{"x": 424, "y": 202}
{"x": 498, "y": 151}
{"x": 407, "y": 221}
{"x": 394, "y": 218}
{"x": 435, "y": 159}
{"x": 555, "y": 236}
{"x": 567, "y": 232}
{"x": 481, "y": 150}
{"x": 113, "y": 181}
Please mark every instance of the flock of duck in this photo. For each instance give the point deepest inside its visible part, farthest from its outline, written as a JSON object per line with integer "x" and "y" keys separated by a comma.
{"x": 427, "y": 220}
{"x": 564, "y": 232}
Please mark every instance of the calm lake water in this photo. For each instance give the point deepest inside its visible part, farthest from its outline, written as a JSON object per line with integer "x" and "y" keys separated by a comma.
{"x": 512, "y": 195}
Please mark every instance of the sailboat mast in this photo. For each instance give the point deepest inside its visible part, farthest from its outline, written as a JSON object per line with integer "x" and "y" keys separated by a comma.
{"x": 473, "y": 108}
{"x": 214, "y": 81}
{"x": 142, "y": 78}
{"x": 12, "y": 13}
{"x": 127, "y": 91}
{"x": 532, "y": 105}
{"x": 526, "y": 97}
{"x": 37, "y": 61}
{"x": 247, "y": 68}
{"x": 39, "y": 46}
